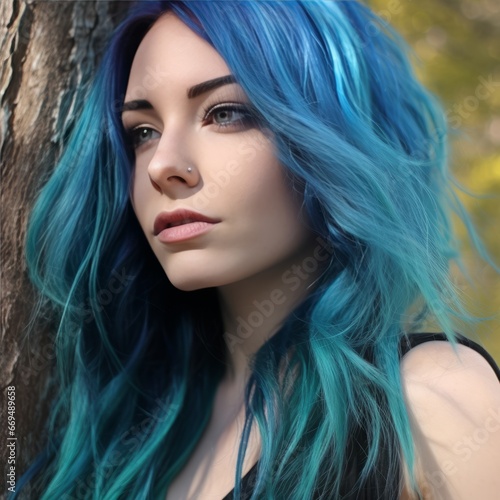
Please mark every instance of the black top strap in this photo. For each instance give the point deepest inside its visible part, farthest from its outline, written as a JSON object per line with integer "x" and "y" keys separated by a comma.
{"x": 415, "y": 339}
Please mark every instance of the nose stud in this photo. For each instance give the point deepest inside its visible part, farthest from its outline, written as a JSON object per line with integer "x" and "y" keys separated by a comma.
{"x": 189, "y": 170}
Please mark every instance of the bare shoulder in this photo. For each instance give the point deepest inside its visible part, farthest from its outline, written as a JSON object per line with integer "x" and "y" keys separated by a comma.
{"x": 453, "y": 397}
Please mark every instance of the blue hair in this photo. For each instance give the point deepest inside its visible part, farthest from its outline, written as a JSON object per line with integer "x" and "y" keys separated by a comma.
{"x": 366, "y": 145}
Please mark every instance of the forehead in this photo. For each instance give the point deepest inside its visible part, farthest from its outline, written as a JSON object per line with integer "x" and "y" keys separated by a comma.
{"x": 170, "y": 52}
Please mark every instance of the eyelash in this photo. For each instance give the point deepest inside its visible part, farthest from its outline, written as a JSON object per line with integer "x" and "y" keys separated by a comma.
{"x": 231, "y": 107}
{"x": 245, "y": 121}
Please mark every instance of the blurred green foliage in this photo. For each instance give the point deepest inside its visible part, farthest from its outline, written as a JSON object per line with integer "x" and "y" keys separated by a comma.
{"x": 456, "y": 44}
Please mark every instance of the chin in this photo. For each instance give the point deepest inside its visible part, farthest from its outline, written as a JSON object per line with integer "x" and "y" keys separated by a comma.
{"x": 188, "y": 282}
{"x": 197, "y": 279}
{"x": 188, "y": 286}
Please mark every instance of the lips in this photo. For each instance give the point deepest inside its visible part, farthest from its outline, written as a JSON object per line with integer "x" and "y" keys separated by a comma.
{"x": 179, "y": 217}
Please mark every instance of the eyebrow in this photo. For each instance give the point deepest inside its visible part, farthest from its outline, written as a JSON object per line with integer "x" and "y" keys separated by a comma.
{"x": 203, "y": 87}
{"x": 194, "y": 91}
{"x": 136, "y": 105}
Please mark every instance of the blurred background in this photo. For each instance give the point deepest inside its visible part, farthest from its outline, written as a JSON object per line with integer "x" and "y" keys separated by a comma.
{"x": 456, "y": 45}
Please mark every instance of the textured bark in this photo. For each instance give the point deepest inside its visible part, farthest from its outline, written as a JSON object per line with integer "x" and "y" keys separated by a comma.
{"x": 48, "y": 50}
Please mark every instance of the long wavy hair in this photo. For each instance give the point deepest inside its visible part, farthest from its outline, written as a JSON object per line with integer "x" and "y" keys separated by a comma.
{"x": 139, "y": 360}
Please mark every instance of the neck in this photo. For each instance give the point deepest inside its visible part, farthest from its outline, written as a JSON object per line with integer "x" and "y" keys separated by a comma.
{"x": 254, "y": 309}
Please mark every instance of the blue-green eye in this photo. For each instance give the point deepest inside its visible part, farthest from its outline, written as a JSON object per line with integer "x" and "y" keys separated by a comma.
{"x": 229, "y": 115}
{"x": 140, "y": 135}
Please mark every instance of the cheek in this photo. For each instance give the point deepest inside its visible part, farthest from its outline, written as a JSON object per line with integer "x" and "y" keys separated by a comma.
{"x": 140, "y": 180}
{"x": 270, "y": 208}
{"x": 271, "y": 190}
{"x": 140, "y": 193}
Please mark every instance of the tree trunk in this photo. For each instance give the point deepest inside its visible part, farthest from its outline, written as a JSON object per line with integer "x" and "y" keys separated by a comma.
{"x": 48, "y": 54}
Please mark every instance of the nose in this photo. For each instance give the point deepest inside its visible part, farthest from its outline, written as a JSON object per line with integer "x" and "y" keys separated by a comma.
{"x": 171, "y": 170}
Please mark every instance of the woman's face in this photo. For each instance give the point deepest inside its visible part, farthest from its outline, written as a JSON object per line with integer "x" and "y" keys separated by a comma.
{"x": 235, "y": 180}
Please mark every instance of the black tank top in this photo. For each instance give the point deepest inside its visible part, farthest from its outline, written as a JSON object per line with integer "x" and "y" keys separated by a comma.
{"x": 407, "y": 343}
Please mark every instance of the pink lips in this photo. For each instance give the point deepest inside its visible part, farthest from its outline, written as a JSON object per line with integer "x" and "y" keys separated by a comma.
{"x": 181, "y": 225}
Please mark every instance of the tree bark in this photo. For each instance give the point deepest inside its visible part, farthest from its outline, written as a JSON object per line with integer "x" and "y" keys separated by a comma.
{"x": 49, "y": 51}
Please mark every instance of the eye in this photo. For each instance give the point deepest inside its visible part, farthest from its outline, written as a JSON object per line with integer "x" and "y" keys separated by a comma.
{"x": 229, "y": 116}
{"x": 140, "y": 135}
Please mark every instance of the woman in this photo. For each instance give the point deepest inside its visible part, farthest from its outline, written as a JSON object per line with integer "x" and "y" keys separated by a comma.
{"x": 267, "y": 181}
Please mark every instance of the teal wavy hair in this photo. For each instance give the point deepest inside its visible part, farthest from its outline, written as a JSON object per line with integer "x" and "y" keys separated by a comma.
{"x": 139, "y": 360}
